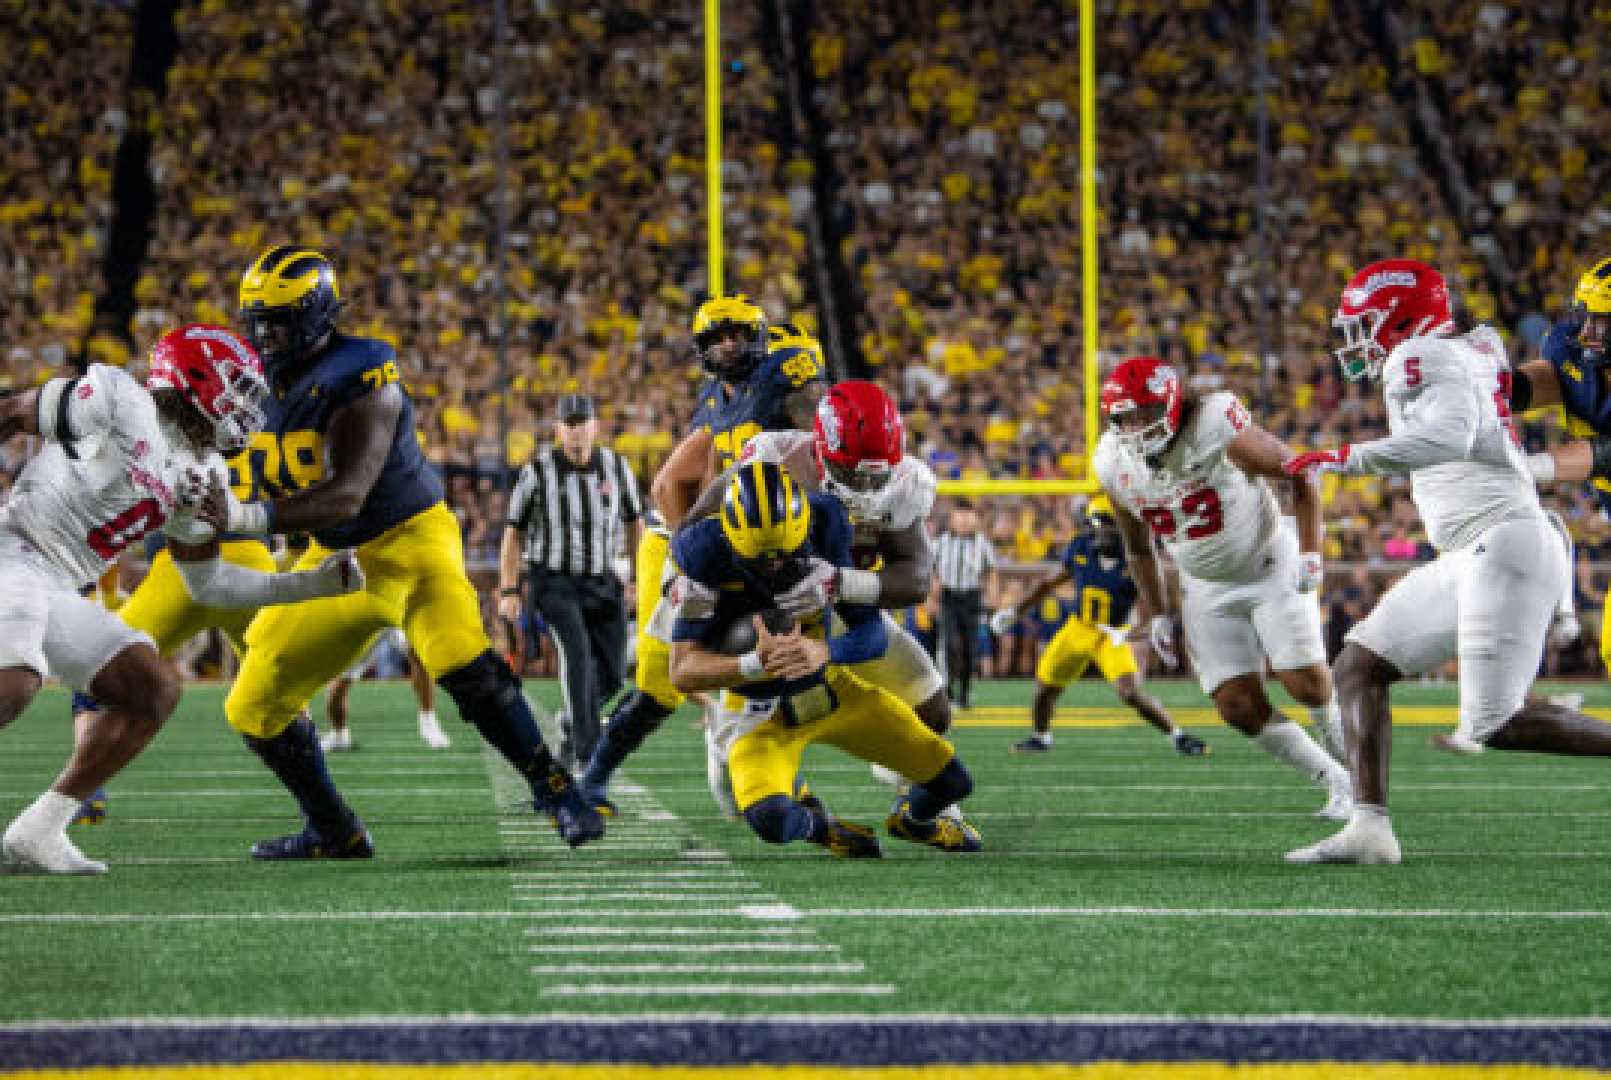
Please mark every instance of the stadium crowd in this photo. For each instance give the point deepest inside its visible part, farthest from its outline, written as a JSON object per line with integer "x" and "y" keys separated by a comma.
{"x": 952, "y": 134}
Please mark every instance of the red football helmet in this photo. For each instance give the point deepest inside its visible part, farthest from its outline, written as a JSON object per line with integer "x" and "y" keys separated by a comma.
{"x": 219, "y": 374}
{"x": 1382, "y": 305}
{"x": 860, "y": 439}
{"x": 1142, "y": 400}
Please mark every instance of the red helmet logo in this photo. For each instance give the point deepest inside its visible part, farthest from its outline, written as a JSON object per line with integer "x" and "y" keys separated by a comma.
{"x": 219, "y": 374}
{"x": 859, "y": 439}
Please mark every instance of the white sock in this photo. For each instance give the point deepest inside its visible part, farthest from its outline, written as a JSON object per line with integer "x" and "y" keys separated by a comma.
{"x": 427, "y": 718}
{"x": 1370, "y": 812}
{"x": 1043, "y": 737}
{"x": 1327, "y": 724}
{"x": 1285, "y": 741}
{"x": 52, "y": 812}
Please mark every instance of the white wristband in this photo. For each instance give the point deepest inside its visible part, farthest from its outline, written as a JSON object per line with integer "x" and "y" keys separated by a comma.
{"x": 249, "y": 518}
{"x": 859, "y": 586}
{"x": 750, "y": 666}
{"x": 1542, "y": 466}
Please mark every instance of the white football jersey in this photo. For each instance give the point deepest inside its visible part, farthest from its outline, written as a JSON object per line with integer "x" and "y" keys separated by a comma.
{"x": 906, "y": 500}
{"x": 109, "y": 473}
{"x": 1447, "y": 388}
{"x": 1215, "y": 520}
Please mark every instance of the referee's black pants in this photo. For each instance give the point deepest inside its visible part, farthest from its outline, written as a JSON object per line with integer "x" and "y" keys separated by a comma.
{"x": 586, "y": 617}
{"x": 960, "y": 612}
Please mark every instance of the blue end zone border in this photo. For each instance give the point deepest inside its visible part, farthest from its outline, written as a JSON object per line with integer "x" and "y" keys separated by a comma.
{"x": 723, "y": 1042}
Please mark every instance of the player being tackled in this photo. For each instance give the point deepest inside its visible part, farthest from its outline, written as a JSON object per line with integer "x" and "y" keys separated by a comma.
{"x": 795, "y": 688}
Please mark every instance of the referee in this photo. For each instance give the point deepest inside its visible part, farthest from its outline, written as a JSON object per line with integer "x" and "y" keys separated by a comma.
{"x": 962, "y": 558}
{"x": 565, "y": 517}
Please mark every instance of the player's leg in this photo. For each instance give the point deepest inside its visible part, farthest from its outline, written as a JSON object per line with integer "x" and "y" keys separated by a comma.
{"x": 431, "y": 733}
{"x": 88, "y": 647}
{"x": 441, "y": 615}
{"x": 1229, "y": 658}
{"x": 906, "y": 670}
{"x": 875, "y": 725}
{"x": 1289, "y": 628}
{"x": 1412, "y": 629}
{"x": 1063, "y": 661}
{"x": 292, "y": 651}
{"x": 762, "y": 764}
{"x": 338, "y": 737}
{"x": 640, "y": 712}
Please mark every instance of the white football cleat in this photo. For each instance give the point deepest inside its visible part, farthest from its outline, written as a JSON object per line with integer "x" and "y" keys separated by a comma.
{"x": 1367, "y": 840}
{"x": 718, "y": 778}
{"x": 30, "y": 852}
{"x": 431, "y": 733}
{"x": 1455, "y": 743}
{"x": 337, "y": 740}
{"x": 952, "y": 813}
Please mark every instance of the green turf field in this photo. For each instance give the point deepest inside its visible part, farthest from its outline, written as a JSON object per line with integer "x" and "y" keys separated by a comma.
{"x": 1119, "y": 879}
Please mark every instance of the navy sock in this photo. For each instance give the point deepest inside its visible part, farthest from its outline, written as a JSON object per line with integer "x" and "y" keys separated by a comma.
{"x": 634, "y": 720}
{"x": 83, "y": 703}
{"x": 295, "y": 758}
{"x": 778, "y": 819}
{"x": 489, "y": 696}
{"x": 949, "y": 785}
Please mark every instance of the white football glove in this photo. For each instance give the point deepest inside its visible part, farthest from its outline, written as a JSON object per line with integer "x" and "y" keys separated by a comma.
{"x": 339, "y": 574}
{"x": 1118, "y": 635}
{"x": 814, "y": 592}
{"x": 1161, "y": 631}
{"x": 1002, "y": 621}
{"x": 1311, "y": 571}
{"x": 191, "y": 487}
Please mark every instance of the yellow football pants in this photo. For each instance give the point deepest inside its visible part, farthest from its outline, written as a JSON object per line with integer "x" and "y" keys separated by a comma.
{"x": 1072, "y": 649}
{"x": 870, "y": 723}
{"x": 162, "y": 606}
{"x": 415, "y": 579}
{"x": 653, "y": 671}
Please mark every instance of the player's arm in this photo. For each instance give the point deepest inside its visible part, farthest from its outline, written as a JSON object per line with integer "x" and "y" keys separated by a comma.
{"x": 1446, "y": 415}
{"x": 1534, "y": 385}
{"x": 710, "y": 499}
{"x": 19, "y": 413}
{"x": 359, "y": 441}
{"x": 1258, "y": 453}
{"x": 677, "y": 485}
{"x": 908, "y": 571}
{"x": 1037, "y": 593}
{"x": 801, "y": 403}
{"x": 1142, "y": 558}
{"x": 211, "y": 581}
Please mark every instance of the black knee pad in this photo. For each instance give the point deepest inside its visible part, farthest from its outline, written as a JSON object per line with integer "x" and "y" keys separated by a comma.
{"x": 770, "y": 818}
{"x": 483, "y": 686}
{"x": 952, "y": 783}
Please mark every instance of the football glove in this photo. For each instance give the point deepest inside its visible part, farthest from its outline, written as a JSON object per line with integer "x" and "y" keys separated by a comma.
{"x": 1318, "y": 461}
{"x": 1161, "y": 631}
{"x": 1311, "y": 570}
{"x": 1002, "y": 621}
{"x": 813, "y": 592}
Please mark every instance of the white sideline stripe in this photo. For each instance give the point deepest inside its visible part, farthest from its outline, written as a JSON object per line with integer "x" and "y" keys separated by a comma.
{"x": 594, "y": 886}
{"x": 856, "y": 968}
{"x": 258, "y": 774}
{"x": 672, "y": 870}
{"x": 691, "y": 947}
{"x": 261, "y": 791}
{"x": 718, "y": 990}
{"x": 669, "y": 898}
{"x": 673, "y": 931}
{"x": 191, "y": 1022}
{"x": 1294, "y": 787}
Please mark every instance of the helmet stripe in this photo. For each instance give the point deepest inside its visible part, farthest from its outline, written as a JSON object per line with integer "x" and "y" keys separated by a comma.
{"x": 273, "y": 257}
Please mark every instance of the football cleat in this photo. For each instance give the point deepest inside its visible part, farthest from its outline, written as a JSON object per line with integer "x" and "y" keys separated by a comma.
{"x": 28, "y": 851}
{"x": 1188, "y": 745}
{"x": 847, "y": 840}
{"x": 594, "y": 796}
{"x": 431, "y": 733}
{"x": 337, "y": 740}
{"x": 945, "y": 833}
{"x": 92, "y": 811}
{"x": 1364, "y": 841}
{"x": 1339, "y": 804}
{"x": 576, "y": 822}
{"x": 1031, "y": 745}
{"x": 308, "y": 844}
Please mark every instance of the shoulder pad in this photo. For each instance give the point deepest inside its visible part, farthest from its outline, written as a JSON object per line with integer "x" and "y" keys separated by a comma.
{"x": 1220, "y": 418}
{"x": 1560, "y": 345}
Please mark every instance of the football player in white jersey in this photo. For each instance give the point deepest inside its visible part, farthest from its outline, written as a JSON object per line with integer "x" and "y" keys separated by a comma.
{"x": 1192, "y": 472}
{"x": 1489, "y": 596}
{"x": 120, "y": 460}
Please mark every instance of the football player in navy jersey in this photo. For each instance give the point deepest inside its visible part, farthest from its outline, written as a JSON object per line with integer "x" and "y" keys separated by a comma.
{"x": 1098, "y": 628}
{"x": 795, "y": 688}
{"x": 339, "y": 460}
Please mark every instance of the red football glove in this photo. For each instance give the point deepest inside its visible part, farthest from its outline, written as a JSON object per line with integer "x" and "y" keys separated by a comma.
{"x": 1318, "y": 461}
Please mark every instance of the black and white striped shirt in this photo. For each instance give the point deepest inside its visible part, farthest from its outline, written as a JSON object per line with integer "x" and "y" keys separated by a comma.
{"x": 572, "y": 515}
{"x": 960, "y": 561}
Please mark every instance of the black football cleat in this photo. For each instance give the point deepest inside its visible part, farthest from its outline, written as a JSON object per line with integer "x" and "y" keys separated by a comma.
{"x": 574, "y": 819}
{"x": 1031, "y": 745}
{"x": 92, "y": 811}
{"x": 308, "y": 844}
{"x": 946, "y": 834}
{"x": 1188, "y": 745}
{"x": 841, "y": 839}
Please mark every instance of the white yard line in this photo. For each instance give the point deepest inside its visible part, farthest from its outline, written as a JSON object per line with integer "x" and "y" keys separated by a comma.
{"x": 855, "y": 968}
{"x": 701, "y": 989}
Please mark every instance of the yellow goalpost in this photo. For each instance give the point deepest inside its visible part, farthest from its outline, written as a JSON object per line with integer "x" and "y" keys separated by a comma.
{"x": 1090, "y": 362}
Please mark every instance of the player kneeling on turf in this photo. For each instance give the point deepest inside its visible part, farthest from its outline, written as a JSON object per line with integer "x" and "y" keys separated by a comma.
{"x": 792, "y": 688}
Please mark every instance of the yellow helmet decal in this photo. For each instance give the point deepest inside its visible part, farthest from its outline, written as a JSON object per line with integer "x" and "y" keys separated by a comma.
{"x": 1594, "y": 288}
{"x": 764, "y": 512}
{"x": 1099, "y": 506}
{"x": 283, "y": 275}
{"x": 720, "y": 309}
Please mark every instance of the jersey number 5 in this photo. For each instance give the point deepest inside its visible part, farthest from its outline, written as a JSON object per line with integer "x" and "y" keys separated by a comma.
{"x": 1207, "y": 517}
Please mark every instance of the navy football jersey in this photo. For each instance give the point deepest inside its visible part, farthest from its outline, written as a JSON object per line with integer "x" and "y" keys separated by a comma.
{"x": 288, "y": 454}
{"x": 1104, "y": 592}
{"x": 1584, "y": 394}
{"x": 760, "y": 404}
{"x": 703, "y": 554}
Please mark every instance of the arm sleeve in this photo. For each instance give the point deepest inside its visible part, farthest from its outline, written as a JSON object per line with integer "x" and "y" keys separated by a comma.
{"x": 694, "y": 608}
{"x": 1445, "y": 427}
{"x": 216, "y": 583}
{"x": 72, "y": 411}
